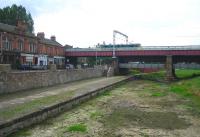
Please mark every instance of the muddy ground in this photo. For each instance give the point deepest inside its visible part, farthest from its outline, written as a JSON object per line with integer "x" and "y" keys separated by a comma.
{"x": 135, "y": 109}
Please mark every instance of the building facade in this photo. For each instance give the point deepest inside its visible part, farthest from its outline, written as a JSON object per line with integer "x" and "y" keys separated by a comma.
{"x": 18, "y": 46}
{"x": 22, "y": 49}
{"x": 50, "y": 51}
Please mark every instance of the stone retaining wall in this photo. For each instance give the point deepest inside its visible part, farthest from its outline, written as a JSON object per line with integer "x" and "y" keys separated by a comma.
{"x": 24, "y": 80}
{"x": 42, "y": 114}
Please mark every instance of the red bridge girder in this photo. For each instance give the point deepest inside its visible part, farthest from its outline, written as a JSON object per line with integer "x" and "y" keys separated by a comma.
{"x": 133, "y": 53}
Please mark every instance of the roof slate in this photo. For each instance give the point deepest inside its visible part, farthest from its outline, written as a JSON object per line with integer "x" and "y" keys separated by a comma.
{"x": 50, "y": 42}
{"x": 13, "y": 29}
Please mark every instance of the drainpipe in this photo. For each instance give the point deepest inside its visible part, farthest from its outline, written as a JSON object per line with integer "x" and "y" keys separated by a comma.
{"x": 1, "y": 61}
{"x": 1, "y": 47}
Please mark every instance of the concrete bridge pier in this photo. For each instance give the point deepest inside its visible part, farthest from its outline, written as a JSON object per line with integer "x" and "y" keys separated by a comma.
{"x": 115, "y": 65}
{"x": 170, "y": 70}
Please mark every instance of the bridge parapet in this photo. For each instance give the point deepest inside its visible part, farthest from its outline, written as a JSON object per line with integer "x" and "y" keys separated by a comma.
{"x": 145, "y": 65}
{"x": 191, "y": 47}
{"x": 137, "y": 51}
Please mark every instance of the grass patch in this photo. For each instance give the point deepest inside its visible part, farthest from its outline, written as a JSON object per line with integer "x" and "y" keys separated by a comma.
{"x": 96, "y": 114}
{"x": 188, "y": 89}
{"x": 106, "y": 93}
{"x": 134, "y": 71}
{"x": 180, "y": 89}
{"x": 24, "y": 108}
{"x": 154, "y": 75}
{"x": 21, "y": 133}
{"x": 158, "y": 94}
{"x": 77, "y": 128}
{"x": 184, "y": 73}
{"x": 180, "y": 73}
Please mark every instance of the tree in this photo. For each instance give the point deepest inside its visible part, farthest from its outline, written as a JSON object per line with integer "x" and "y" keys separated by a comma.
{"x": 11, "y": 15}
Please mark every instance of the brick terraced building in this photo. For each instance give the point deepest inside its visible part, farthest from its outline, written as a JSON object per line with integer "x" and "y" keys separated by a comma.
{"x": 50, "y": 51}
{"x": 19, "y": 47}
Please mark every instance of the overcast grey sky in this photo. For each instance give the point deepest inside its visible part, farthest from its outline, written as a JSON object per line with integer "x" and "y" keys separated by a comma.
{"x": 85, "y": 23}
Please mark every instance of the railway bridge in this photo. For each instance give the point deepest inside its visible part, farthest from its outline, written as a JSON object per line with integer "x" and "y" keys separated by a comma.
{"x": 170, "y": 56}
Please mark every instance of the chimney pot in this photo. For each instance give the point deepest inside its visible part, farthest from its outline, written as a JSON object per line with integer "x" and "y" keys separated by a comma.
{"x": 41, "y": 35}
{"x": 53, "y": 38}
{"x": 22, "y": 25}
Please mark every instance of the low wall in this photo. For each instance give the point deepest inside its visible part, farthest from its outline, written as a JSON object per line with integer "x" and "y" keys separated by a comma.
{"x": 17, "y": 81}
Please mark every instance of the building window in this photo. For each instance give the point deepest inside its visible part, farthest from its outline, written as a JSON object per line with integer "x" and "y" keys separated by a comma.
{"x": 7, "y": 44}
{"x": 20, "y": 45}
{"x": 32, "y": 47}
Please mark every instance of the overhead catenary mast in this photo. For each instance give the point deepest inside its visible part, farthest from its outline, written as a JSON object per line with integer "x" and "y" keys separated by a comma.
{"x": 114, "y": 40}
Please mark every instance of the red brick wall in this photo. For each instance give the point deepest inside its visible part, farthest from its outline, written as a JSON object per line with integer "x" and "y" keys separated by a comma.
{"x": 50, "y": 50}
{"x": 14, "y": 39}
{"x": 40, "y": 48}
{"x": 149, "y": 70}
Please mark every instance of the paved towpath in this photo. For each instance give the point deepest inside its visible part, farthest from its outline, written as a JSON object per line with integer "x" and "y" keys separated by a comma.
{"x": 71, "y": 90}
{"x": 79, "y": 88}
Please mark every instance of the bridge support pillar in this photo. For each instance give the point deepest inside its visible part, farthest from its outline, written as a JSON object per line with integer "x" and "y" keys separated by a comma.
{"x": 170, "y": 70}
{"x": 115, "y": 65}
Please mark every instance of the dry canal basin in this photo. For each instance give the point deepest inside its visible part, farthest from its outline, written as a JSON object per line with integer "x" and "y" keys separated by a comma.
{"x": 137, "y": 108}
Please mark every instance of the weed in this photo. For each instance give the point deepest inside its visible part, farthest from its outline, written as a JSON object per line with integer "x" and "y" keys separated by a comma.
{"x": 106, "y": 93}
{"x": 77, "y": 128}
{"x": 24, "y": 108}
{"x": 21, "y": 133}
{"x": 180, "y": 89}
{"x": 180, "y": 73}
{"x": 189, "y": 89}
{"x": 184, "y": 73}
{"x": 134, "y": 71}
{"x": 158, "y": 94}
{"x": 95, "y": 114}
